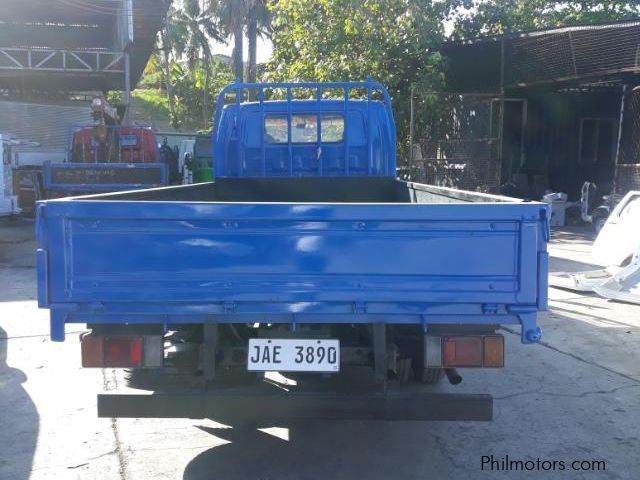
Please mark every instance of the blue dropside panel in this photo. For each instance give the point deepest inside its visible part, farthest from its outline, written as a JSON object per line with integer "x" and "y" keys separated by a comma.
{"x": 217, "y": 262}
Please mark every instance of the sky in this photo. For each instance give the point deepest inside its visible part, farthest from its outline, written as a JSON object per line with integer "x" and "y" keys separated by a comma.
{"x": 263, "y": 52}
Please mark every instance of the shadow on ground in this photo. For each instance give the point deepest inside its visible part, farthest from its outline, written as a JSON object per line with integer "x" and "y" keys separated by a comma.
{"x": 18, "y": 420}
{"x": 579, "y": 234}
{"x": 310, "y": 450}
{"x": 559, "y": 264}
{"x": 17, "y": 260}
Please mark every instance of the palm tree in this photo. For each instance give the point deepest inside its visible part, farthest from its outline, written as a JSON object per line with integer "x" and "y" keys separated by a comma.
{"x": 194, "y": 27}
{"x": 231, "y": 15}
{"x": 166, "y": 52}
{"x": 258, "y": 24}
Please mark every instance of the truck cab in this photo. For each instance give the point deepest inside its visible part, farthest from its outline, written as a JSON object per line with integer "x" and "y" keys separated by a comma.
{"x": 305, "y": 138}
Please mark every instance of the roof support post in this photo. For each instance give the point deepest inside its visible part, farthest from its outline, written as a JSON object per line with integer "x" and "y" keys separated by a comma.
{"x": 501, "y": 117}
{"x": 127, "y": 88}
{"x": 128, "y": 12}
{"x": 623, "y": 95}
{"x": 411, "y": 127}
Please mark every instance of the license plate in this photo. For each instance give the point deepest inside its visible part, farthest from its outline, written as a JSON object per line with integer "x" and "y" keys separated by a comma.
{"x": 128, "y": 140}
{"x": 291, "y": 355}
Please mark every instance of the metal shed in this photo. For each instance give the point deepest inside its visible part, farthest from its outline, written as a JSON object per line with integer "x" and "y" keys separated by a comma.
{"x": 540, "y": 110}
{"x": 76, "y": 45}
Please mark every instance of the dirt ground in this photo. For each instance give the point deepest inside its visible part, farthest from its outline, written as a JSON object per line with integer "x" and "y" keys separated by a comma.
{"x": 573, "y": 397}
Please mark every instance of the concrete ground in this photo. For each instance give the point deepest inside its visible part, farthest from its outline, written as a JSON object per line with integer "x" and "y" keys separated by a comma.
{"x": 575, "y": 396}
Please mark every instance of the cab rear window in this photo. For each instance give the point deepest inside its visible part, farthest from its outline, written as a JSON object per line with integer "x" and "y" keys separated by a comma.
{"x": 304, "y": 128}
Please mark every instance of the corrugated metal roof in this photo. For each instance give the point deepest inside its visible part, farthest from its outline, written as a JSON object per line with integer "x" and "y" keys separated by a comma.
{"x": 541, "y": 32}
{"x": 44, "y": 26}
{"x": 556, "y": 57}
{"x": 48, "y": 125}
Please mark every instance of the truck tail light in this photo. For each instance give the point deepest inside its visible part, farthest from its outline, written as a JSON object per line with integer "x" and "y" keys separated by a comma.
{"x": 462, "y": 351}
{"x": 92, "y": 351}
{"x": 121, "y": 351}
{"x": 432, "y": 351}
{"x": 493, "y": 351}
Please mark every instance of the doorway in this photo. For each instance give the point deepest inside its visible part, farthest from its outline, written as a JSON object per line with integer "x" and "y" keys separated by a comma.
{"x": 597, "y": 150}
{"x": 513, "y": 128}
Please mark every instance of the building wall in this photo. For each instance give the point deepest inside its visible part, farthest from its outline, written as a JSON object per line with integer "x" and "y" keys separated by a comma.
{"x": 45, "y": 124}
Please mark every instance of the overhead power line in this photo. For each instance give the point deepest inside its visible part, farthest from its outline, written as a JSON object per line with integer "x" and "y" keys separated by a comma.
{"x": 106, "y": 10}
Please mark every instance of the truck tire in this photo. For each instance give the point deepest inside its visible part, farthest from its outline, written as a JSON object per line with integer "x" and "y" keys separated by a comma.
{"x": 430, "y": 376}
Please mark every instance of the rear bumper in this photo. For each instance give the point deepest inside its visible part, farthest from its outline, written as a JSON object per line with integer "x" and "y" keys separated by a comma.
{"x": 254, "y": 405}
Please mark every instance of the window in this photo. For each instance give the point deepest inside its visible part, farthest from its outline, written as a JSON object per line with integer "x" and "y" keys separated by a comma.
{"x": 304, "y": 128}
{"x": 275, "y": 129}
{"x": 332, "y": 128}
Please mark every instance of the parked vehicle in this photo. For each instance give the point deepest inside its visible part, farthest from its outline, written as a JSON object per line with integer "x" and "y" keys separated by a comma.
{"x": 8, "y": 200}
{"x": 305, "y": 256}
{"x": 106, "y": 157}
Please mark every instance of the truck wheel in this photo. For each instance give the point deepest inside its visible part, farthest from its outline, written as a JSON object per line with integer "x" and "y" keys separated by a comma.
{"x": 430, "y": 376}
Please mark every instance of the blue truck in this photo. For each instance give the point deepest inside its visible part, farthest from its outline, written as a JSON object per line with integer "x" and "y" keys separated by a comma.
{"x": 306, "y": 280}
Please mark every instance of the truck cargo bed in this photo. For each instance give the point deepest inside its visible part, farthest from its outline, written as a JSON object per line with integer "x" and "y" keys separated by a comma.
{"x": 307, "y": 250}
{"x": 307, "y": 190}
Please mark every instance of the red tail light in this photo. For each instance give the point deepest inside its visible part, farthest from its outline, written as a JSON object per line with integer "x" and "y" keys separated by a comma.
{"x": 462, "y": 351}
{"x": 121, "y": 351}
{"x": 473, "y": 351}
{"x": 118, "y": 351}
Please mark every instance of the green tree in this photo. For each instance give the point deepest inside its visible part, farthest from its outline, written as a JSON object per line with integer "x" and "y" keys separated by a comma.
{"x": 193, "y": 27}
{"x": 393, "y": 41}
{"x": 189, "y": 89}
{"x": 492, "y": 17}
{"x": 166, "y": 48}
